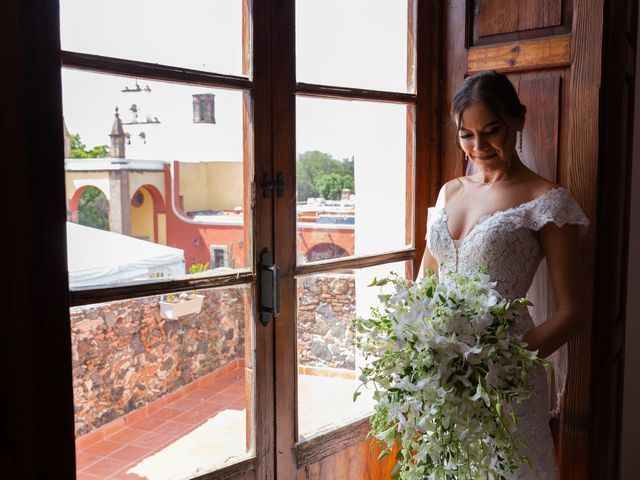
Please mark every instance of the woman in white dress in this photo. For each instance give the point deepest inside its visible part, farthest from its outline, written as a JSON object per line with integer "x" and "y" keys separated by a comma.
{"x": 506, "y": 218}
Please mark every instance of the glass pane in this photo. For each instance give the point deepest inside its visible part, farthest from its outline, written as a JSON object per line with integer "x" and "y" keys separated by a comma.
{"x": 155, "y": 188}
{"x": 353, "y": 43}
{"x": 161, "y": 388}
{"x": 328, "y": 363}
{"x": 198, "y": 34}
{"x": 351, "y": 178}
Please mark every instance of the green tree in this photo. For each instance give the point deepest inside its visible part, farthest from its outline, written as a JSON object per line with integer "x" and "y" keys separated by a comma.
{"x": 330, "y": 185}
{"x": 79, "y": 149}
{"x": 93, "y": 208}
{"x": 313, "y": 166}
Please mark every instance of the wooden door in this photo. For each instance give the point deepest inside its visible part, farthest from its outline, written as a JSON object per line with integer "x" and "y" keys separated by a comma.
{"x": 222, "y": 351}
{"x": 550, "y": 49}
{"x": 323, "y": 269}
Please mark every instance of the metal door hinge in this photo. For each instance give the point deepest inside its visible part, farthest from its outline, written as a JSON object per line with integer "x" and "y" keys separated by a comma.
{"x": 268, "y": 184}
{"x": 269, "y": 288}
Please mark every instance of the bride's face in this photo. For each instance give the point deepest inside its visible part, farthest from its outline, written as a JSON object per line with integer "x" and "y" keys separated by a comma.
{"x": 485, "y": 138}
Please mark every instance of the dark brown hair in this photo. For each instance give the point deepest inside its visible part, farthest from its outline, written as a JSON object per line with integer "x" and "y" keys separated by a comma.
{"x": 491, "y": 88}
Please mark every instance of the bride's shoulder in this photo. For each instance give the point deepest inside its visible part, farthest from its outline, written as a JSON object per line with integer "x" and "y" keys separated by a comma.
{"x": 449, "y": 190}
{"x": 542, "y": 187}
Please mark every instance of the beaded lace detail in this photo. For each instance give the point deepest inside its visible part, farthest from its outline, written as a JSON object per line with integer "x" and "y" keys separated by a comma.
{"x": 505, "y": 243}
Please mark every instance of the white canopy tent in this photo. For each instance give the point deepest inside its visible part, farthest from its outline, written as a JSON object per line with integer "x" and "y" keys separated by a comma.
{"x": 98, "y": 257}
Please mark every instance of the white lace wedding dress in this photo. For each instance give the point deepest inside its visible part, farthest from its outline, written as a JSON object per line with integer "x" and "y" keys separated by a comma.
{"x": 506, "y": 244}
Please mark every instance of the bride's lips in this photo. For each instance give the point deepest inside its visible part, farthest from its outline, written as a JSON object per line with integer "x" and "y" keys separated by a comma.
{"x": 485, "y": 157}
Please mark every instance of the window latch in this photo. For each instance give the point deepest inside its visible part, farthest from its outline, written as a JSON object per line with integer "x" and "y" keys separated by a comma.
{"x": 269, "y": 288}
{"x": 268, "y": 184}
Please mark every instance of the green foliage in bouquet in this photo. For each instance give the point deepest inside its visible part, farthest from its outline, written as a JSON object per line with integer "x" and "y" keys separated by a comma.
{"x": 447, "y": 368}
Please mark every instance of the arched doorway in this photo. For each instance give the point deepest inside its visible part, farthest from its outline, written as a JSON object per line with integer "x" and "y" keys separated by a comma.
{"x": 92, "y": 208}
{"x": 148, "y": 217}
{"x": 142, "y": 215}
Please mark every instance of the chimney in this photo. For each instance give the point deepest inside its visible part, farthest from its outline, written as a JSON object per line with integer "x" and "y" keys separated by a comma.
{"x": 117, "y": 138}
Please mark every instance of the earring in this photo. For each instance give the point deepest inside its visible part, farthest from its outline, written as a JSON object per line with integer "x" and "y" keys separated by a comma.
{"x": 520, "y": 141}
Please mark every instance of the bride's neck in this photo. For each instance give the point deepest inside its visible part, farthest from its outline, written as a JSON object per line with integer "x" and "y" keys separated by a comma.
{"x": 489, "y": 175}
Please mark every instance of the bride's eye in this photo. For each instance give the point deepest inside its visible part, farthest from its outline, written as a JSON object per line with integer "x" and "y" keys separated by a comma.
{"x": 492, "y": 131}
{"x": 465, "y": 135}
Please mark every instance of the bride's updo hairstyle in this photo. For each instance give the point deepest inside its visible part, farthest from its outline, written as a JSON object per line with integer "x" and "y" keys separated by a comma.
{"x": 491, "y": 88}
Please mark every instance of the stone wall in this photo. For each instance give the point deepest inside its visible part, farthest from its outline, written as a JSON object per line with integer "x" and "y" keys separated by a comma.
{"x": 125, "y": 355}
{"x": 326, "y": 308}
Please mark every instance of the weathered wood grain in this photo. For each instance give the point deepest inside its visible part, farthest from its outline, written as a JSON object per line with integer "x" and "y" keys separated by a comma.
{"x": 539, "y": 14}
{"x": 579, "y": 171}
{"x": 541, "y": 96}
{"x": 263, "y": 418}
{"x": 330, "y": 443}
{"x": 548, "y": 52}
{"x": 359, "y": 461}
{"x": 496, "y": 16}
{"x": 240, "y": 471}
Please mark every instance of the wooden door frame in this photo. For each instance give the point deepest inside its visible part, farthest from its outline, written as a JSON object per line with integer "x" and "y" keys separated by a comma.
{"x": 425, "y": 119}
{"x": 36, "y": 405}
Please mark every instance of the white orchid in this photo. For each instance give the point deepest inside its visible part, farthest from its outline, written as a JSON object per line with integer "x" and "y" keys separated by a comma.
{"x": 447, "y": 370}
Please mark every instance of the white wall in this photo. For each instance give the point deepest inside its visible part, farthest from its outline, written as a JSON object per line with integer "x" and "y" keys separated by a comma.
{"x": 630, "y": 447}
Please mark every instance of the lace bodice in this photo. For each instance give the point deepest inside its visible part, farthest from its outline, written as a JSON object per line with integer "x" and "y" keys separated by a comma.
{"x": 504, "y": 242}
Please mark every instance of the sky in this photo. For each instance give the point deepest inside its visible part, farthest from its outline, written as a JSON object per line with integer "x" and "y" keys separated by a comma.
{"x": 355, "y": 43}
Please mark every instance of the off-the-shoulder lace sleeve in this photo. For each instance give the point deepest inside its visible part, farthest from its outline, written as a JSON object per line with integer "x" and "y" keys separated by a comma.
{"x": 558, "y": 207}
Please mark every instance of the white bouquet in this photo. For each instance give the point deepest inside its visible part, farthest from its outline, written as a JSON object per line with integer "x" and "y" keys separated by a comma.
{"x": 447, "y": 369}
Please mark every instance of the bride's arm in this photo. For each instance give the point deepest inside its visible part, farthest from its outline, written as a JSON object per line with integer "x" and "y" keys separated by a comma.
{"x": 427, "y": 262}
{"x": 560, "y": 246}
{"x": 427, "y": 259}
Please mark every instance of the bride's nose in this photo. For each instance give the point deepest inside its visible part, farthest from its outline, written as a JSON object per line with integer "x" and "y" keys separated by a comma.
{"x": 481, "y": 143}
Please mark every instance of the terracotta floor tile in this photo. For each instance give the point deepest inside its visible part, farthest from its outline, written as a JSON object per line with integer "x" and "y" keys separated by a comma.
{"x": 103, "y": 448}
{"x": 153, "y": 440}
{"x": 239, "y": 403}
{"x": 85, "y": 459}
{"x": 210, "y": 408}
{"x": 225, "y": 398}
{"x": 234, "y": 390}
{"x": 105, "y": 467}
{"x": 193, "y": 416}
{"x": 167, "y": 413}
{"x": 127, "y": 435}
{"x": 132, "y": 453}
{"x": 148, "y": 424}
{"x": 87, "y": 476}
{"x": 218, "y": 384}
{"x": 184, "y": 403}
{"x": 199, "y": 395}
{"x": 174, "y": 429}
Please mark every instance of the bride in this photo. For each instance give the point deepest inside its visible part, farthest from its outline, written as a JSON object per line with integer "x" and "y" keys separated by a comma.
{"x": 507, "y": 218}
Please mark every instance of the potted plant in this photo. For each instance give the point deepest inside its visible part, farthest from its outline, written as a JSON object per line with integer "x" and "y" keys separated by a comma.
{"x": 176, "y": 305}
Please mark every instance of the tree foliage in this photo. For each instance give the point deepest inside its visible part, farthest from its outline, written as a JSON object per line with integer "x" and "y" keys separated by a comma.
{"x": 330, "y": 185}
{"x": 79, "y": 149}
{"x": 318, "y": 174}
{"x": 93, "y": 208}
